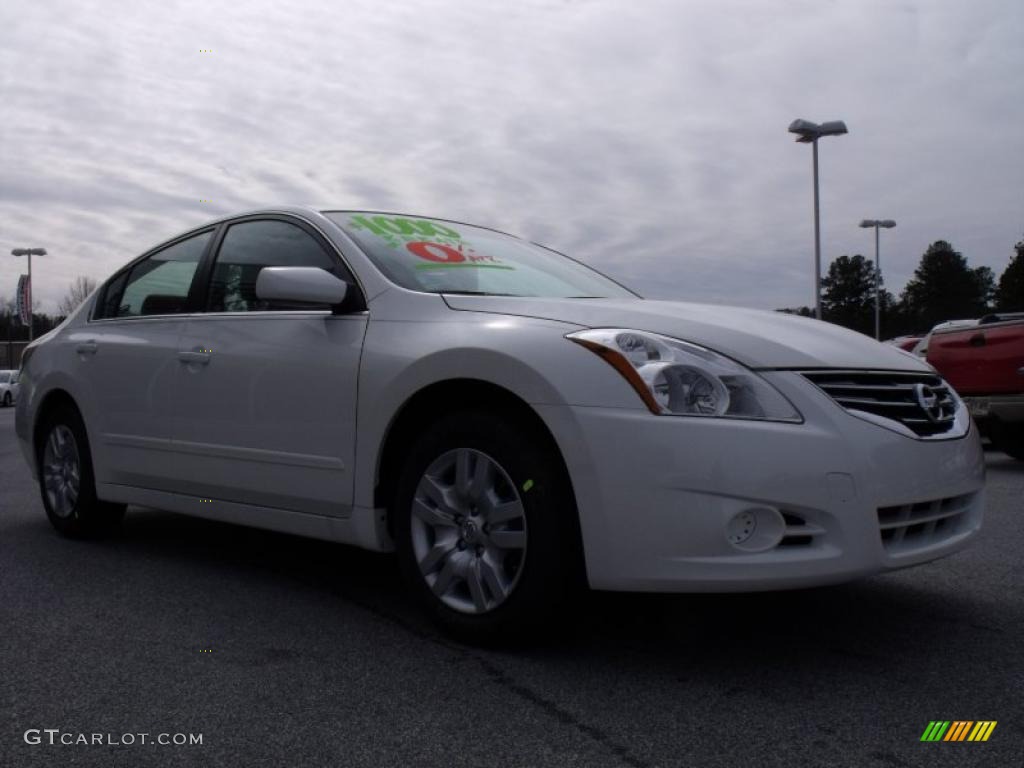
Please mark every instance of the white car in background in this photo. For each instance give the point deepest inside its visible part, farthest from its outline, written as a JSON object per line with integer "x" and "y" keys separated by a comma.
{"x": 507, "y": 419}
{"x": 8, "y": 388}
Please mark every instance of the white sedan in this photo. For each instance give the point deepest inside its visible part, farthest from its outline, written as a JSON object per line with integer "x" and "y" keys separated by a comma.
{"x": 8, "y": 388}
{"x": 510, "y": 421}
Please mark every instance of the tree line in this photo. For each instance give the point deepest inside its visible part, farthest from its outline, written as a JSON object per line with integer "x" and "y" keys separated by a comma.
{"x": 944, "y": 287}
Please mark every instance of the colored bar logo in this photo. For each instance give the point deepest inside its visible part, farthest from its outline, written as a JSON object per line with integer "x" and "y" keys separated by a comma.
{"x": 958, "y": 730}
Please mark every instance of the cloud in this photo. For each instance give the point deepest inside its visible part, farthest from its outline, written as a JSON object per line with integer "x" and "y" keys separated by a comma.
{"x": 645, "y": 138}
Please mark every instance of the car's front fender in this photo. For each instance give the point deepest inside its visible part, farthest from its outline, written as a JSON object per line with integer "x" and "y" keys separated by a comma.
{"x": 529, "y": 358}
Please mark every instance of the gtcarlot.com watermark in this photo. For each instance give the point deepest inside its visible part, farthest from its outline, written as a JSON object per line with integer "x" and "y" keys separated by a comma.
{"x": 55, "y": 737}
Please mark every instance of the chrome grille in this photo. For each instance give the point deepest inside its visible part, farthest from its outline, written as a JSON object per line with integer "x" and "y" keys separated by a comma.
{"x": 921, "y": 402}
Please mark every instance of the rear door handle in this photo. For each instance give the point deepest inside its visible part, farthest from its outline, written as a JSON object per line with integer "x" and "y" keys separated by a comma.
{"x": 87, "y": 348}
{"x": 978, "y": 340}
{"x": 194, "y": 358}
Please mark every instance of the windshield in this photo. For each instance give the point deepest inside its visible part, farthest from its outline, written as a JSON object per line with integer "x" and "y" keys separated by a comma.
{"x": 446, "y": 257}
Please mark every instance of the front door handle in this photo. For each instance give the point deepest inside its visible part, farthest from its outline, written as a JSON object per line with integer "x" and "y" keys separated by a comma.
{"x": 87, "y": 348}
{"x": 194, "y": 358}
{"x": 977, "y": 340}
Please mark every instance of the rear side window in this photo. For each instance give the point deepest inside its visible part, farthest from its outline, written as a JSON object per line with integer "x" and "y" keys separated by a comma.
{"x": 5, "y": 377}
{"x": 157, "y": 285}
{"x": 112, "y": 296}
{"x": 250, "y": 246}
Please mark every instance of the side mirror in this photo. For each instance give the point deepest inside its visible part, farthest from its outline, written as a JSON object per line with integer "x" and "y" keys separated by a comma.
{"x": 300, "y": 284}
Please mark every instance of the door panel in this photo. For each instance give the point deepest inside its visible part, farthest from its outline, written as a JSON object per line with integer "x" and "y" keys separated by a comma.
{"x": 268, "y": 417}
{"x": 130, "y": 372}
{"x": 126, "y": 359}
{"x": 267, "y": 390}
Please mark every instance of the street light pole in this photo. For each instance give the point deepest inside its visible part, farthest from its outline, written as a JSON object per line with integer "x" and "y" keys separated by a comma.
{"x": 887, "y": 224}
{"x": 817, "y": 234}
{"x": 878, "y": 283}
{"x": 29, "y": 252}
{"x": 809, "y": 133}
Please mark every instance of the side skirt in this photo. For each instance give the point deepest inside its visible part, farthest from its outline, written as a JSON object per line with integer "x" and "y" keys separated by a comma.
{"x": 365, "y": 527}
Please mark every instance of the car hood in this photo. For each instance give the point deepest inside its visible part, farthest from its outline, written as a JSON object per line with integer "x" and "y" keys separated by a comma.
{"x": 756, "y": 338}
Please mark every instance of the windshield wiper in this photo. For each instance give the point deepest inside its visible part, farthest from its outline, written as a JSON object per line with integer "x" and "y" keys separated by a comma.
{"x": 475, "y": 293}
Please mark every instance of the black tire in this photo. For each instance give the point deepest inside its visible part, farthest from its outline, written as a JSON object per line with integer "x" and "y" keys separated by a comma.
{"x": 86, "y": 516}
{"x": 7, "y": 399}
{"x": 1009, "y": 439}
{"x": 551, "y": 568}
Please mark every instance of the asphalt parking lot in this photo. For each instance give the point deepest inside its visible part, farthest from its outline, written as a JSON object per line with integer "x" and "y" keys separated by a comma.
{"x": 283, "y": 651}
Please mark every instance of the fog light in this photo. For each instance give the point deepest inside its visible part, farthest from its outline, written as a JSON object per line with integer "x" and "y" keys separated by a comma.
{"x": 755, "y": 529}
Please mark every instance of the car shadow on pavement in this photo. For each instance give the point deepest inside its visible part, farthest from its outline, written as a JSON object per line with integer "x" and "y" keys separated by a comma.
{"x": 995, "y": 460}
{"x": 891, "y": 623}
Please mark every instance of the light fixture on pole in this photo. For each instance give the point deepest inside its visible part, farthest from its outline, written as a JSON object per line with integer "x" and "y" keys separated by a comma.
{"x": 30, "y": 252}
{"x": 887, "y": 224}
{"x": 809, "y": 133}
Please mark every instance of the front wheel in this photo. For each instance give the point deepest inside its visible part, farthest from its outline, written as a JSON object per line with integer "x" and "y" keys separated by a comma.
{"x": 66, "y": 479}
{"x": 7, "y": 399}
{"x": 485, "y": 526}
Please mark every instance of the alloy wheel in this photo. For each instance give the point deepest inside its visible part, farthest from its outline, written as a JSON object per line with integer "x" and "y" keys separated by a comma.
{"x": 61, "y": 471}
{"x": 469, "y": 531}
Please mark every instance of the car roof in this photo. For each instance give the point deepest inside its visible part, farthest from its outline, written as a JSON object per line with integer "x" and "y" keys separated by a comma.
{"x": 307, "y": 210}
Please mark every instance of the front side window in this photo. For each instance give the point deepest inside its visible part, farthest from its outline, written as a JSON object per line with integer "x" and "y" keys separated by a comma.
{"x": 446, "y": 257}
{"x": 157, "y": 285}
{"x": 5, "y": 377}
{"x": 250, "y": 246}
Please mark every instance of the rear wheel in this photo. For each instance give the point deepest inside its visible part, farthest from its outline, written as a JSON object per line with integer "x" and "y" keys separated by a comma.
{"x": 485, "y": 526}
{"x": 66, "y": 480}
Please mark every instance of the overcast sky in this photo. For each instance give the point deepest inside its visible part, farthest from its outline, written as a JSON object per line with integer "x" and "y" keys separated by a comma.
{"x": 646, "y": 137}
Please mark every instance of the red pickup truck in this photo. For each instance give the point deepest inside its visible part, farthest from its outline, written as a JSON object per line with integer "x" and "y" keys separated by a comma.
{"x": 985, "y": 365}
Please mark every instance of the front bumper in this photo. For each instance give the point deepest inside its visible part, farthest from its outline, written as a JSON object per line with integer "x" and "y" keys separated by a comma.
{"x": 656, "y": 495}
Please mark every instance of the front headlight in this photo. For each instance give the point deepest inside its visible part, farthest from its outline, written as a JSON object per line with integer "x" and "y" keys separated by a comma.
{"x": 683, "y": 379}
